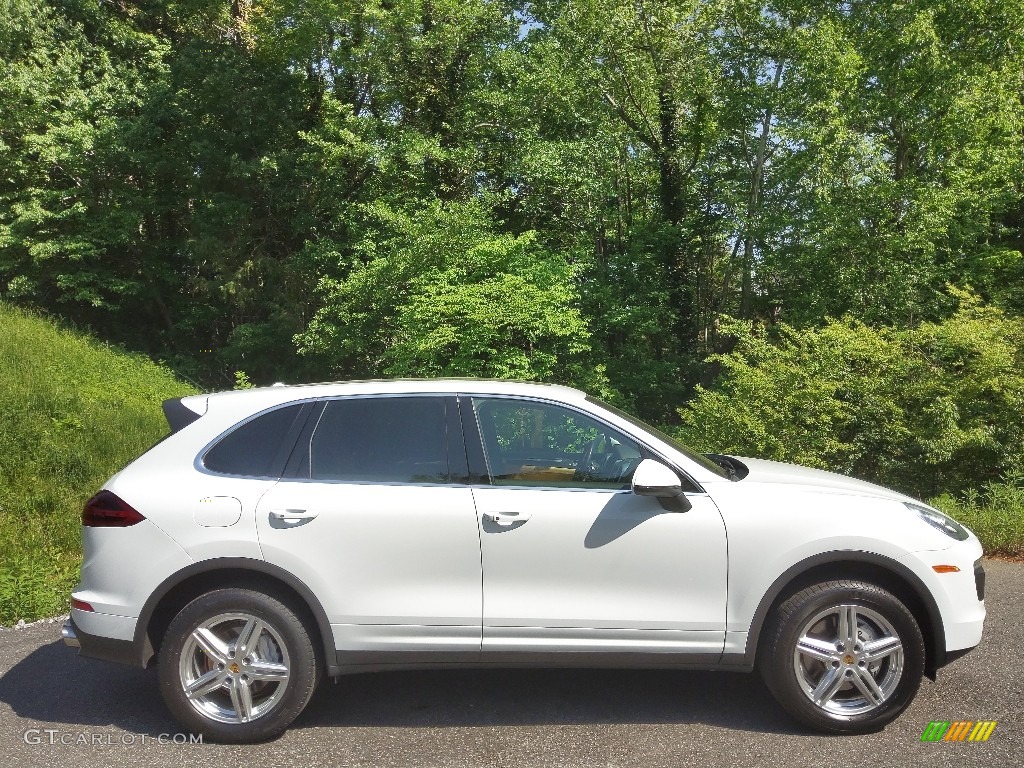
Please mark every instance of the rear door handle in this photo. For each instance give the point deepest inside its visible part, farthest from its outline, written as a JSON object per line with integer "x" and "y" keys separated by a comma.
{"x": 506, "y": 519}
{"x": 292, "y": 515}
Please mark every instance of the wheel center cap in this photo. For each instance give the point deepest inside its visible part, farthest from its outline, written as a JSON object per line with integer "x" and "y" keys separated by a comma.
{"x": 848, "y": 659}
{"x": 235, "y": 669}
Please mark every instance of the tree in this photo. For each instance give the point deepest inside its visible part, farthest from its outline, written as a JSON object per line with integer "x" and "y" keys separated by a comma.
{"x": 440, "y": 293}
{"x": 901, "y": 137}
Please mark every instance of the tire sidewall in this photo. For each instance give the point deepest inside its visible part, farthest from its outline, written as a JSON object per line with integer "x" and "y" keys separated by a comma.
{"x": 778, "y": 666}
{"x": 304, "y": 668}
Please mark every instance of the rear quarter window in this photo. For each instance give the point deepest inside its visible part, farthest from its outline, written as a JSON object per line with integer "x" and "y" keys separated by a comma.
{"x": 254, "y": 448}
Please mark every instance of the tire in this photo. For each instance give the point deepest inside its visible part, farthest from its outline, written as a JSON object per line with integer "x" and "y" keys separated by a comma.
{"x": 253, "y": 655}
{"x": 809, "y": 667}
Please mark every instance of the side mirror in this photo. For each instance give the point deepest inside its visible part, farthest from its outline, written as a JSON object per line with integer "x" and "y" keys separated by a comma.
{"x": 653, "y": 478}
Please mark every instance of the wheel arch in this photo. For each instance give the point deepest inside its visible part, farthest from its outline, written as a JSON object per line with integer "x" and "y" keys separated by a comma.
{"x": 184, "y": 586}
{"x": 865, "y": 566}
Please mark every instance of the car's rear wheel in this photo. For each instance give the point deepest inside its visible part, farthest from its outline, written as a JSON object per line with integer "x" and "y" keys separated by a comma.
{"x": 237, "y": 666}
{"x": 843, "y": 656}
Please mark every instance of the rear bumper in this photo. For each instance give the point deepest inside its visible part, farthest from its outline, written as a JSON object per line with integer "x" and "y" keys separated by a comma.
{"x": 96, "y": 647}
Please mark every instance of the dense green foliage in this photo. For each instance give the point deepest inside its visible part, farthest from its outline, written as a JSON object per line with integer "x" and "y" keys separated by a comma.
{"x": 442, "y": 293}
{"x": 933, "y": 410}
{"x": 928, "y": 409}
{"x": 604, "y": 193}
{"x": 561, "y": 190}
{"x": 74, "y": 412}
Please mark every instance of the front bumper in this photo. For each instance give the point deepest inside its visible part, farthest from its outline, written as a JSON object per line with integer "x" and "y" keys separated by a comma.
{"x": 958, "y": 595}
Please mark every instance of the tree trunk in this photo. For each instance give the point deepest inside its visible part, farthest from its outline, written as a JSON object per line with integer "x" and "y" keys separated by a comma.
{"x": 754, "y": 199}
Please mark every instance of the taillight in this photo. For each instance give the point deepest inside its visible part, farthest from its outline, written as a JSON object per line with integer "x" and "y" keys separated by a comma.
{"x": 107, "y": 510}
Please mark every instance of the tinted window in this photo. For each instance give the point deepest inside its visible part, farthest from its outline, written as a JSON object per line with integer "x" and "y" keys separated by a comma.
{"x": 385, "y": 439}
{"x": 535, "y": 444}
{"x": 251, "y": 449}
{"x": 688, "y": 452}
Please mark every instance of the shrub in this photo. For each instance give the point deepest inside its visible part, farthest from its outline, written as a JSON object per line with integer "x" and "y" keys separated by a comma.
{"x": 930, "y": 410}
{"x": 996, "y": 515}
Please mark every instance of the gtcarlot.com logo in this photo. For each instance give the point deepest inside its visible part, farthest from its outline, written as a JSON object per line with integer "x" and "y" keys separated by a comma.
{"x": 97, "y": 739}
{"x": 959, "y": 730}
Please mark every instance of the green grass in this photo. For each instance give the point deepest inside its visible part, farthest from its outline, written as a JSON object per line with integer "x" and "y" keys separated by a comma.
{"x": 996, "y": 515}
{"x": 72, "y": 412}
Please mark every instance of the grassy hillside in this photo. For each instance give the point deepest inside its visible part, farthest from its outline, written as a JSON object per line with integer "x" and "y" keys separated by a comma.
{"x": 72, "y": 412}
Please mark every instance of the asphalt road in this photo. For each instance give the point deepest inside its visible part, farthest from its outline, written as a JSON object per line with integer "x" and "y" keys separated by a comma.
{"x": 111, "y": 715}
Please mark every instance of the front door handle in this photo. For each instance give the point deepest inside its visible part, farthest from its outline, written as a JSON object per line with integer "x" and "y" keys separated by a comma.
{"x": 506, "y": 519}
{"x": 292, "y": 515}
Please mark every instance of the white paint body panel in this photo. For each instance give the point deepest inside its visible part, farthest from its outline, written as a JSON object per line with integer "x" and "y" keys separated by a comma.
{"x": 218, "y": 511}
{"x": 381, "y": 556}
{"x": 601, "y": 560}
{"x": 105, "y": 624}
{"x": 955, "y": 593}
{"x": 122, "y": 566}
{"x": 773, "y": 526}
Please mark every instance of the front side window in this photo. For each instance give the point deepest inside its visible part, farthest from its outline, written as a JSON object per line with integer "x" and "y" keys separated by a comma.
{"x": 381, "y": 439}
{"x": 527, "y": 443}
{"x": 688, "y": 452}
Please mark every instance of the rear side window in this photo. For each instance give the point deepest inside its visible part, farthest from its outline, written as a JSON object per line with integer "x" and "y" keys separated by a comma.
{"x": 252, "y": 448}
{"x": 381, "y": 439}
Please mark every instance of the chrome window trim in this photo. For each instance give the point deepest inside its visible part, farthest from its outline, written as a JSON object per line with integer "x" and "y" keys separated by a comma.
{"x": 201, "y": 455}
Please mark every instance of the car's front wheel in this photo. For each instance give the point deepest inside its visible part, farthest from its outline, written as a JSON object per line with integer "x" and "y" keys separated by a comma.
{"x": 843, "y": 656}
{"x": 237, "y": 666}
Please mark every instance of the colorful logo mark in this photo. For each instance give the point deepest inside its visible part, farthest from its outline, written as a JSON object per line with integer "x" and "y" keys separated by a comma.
{"x": 959, "y": 730}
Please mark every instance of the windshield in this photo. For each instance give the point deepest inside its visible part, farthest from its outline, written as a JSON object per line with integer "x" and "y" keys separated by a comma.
{"x": 688, "y": 452}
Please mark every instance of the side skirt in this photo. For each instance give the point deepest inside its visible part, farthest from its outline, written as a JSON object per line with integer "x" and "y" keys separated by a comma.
{"x": 356, "y": 662}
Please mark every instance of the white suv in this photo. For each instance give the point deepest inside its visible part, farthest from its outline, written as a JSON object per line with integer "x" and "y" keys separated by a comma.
{"x": 284, "y": 532}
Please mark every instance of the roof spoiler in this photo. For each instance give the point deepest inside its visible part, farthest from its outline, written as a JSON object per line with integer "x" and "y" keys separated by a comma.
{"x": 178, "y": 414}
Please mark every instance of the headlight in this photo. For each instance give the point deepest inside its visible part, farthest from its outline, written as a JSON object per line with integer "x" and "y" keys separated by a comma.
{"x": 936, "y": 519}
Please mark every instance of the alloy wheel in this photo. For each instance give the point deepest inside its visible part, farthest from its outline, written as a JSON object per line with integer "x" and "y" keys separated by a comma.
{"x": 848, "y": 659}
{"x": 234, "y": 668}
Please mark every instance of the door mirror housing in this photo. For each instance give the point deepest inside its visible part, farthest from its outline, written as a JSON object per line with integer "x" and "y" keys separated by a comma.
{"x": 652, "y": 478}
